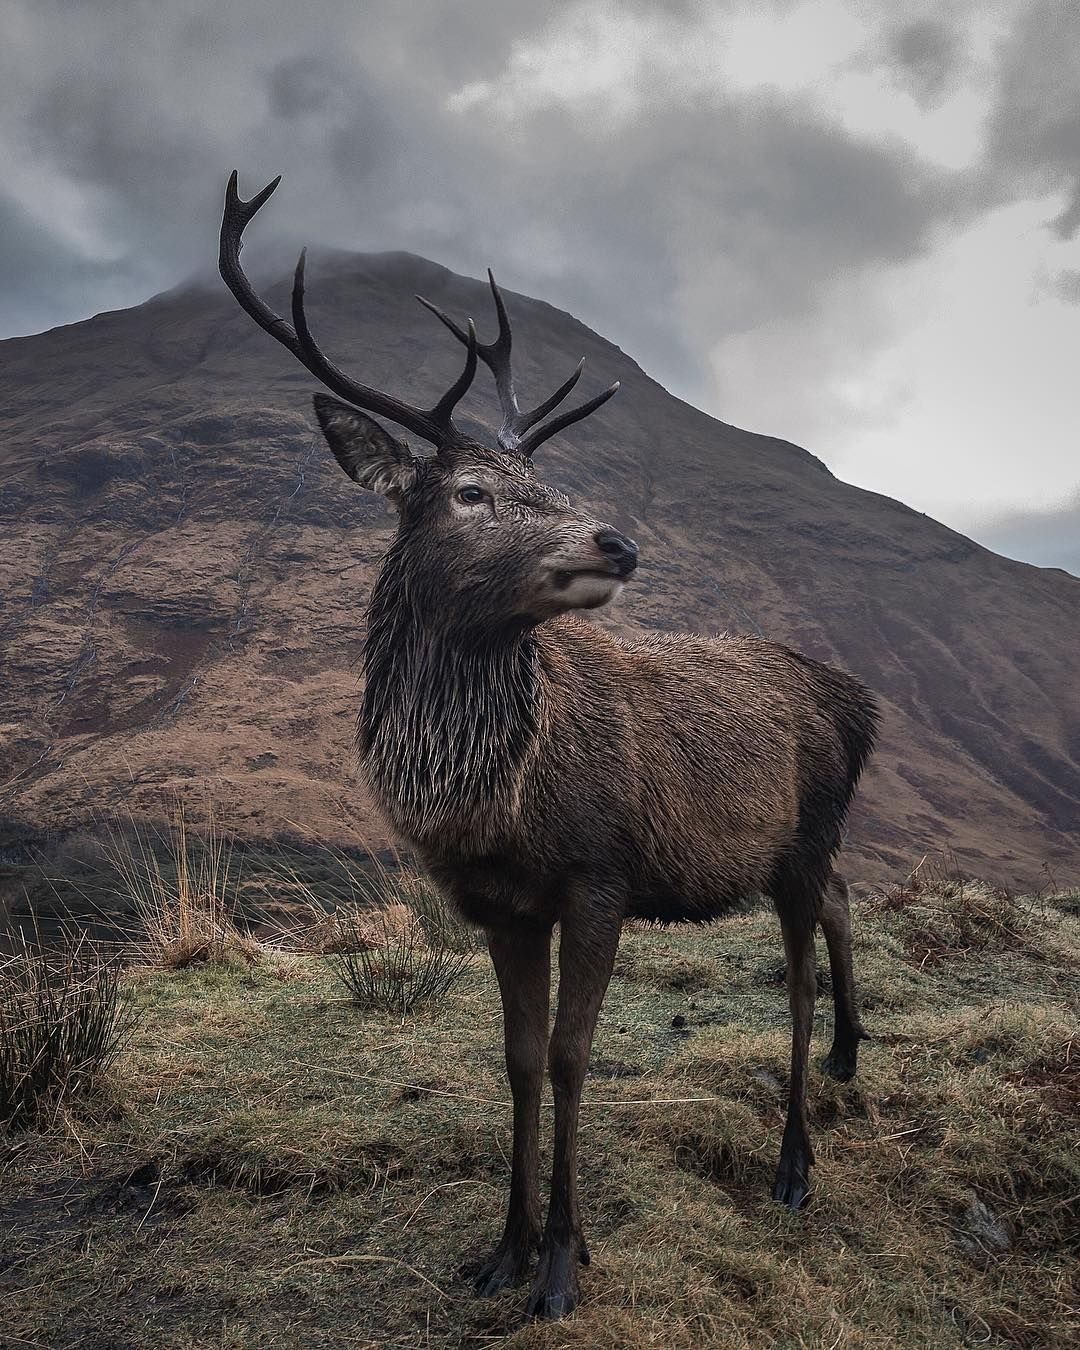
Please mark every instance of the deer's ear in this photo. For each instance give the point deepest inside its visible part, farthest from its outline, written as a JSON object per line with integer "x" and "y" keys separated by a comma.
{"x": 365, "y": 450}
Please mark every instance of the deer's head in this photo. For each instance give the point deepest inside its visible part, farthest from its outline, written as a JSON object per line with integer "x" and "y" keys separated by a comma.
{"x": 479, "y": 532}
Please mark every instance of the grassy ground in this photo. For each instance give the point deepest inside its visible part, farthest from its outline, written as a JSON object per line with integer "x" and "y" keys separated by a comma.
{"x": 274, "y": 1167}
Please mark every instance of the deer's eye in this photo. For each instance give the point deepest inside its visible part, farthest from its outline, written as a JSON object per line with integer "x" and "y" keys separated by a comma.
{"x": 471, "y": 495}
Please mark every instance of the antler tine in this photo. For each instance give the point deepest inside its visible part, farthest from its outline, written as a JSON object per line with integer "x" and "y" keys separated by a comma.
{"x": 503, "y": 341}
{"x": 496, "y": 356}
{"x": 541, "y": 434}
{"x": 445, "y": 318}
{"x": 235, "y": 218}
{"x": 435, "y": 425}
{"x": 552, "y": 401}
{"x": 442, "y": 413}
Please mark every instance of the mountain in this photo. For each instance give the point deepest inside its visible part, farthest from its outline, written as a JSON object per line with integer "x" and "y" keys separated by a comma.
{"x": 185, "y": 571}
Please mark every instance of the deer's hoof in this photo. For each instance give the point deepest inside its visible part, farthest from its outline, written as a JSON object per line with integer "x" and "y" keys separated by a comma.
{"x": 556, "y": 1292}
{"x": 506, "y": 1267}
{"x": 792, "y": 1184}
{"x": 842, "y": 1060}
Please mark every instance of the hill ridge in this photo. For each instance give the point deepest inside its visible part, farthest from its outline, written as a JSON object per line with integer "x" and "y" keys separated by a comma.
{"x": 187, "y": 572}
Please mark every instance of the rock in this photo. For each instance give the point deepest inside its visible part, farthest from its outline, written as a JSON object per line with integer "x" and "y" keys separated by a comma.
{"x": 981, "y": 1234}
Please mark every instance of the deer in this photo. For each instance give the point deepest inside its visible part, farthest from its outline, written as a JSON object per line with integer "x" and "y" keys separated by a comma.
{"x": 545, "y": 773}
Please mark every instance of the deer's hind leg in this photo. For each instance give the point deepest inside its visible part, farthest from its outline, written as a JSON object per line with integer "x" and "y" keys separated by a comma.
{"x": 522, "y": 960}
{"x": 796, "y": 906}
{"x": 848, "y": 1029}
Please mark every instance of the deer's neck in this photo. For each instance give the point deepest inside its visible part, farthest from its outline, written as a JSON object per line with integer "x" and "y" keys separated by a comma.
{"x": 448, "y": 721}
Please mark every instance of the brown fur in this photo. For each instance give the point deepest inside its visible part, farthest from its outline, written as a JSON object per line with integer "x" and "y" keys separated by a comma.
{"x": 674, "y": 764}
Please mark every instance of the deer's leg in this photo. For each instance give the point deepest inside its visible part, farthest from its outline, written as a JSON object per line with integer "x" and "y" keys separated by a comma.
{"x": 522, "y": 960}
{"x": 792, "y": 1183}
{"x": 590, "y": 928}
{"x": 848, "y": 1030}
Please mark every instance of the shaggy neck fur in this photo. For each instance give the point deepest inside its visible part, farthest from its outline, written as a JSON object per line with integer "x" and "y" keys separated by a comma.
{"x": 450, "y": 713}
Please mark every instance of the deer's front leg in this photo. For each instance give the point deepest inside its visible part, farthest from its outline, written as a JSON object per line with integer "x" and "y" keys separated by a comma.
{"x": 522, "y": 960}
{"x": 589, "y": 937}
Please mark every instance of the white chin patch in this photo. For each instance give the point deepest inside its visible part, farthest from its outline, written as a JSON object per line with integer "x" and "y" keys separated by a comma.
{"x": 589, "y": 591}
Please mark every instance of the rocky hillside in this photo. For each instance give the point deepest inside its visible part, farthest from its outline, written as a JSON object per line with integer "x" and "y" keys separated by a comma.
{"x": 184, "y": 574}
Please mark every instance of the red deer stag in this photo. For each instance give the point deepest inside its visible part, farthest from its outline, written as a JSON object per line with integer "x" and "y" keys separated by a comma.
{"x": 545, "y": 773}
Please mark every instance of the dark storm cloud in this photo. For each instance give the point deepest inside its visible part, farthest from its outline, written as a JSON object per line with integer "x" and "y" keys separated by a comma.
{"x": 300, "y": 85}
{"x": 1034, "y": 134}
{"x": 745, "y": 208}
{"x": 927, "y": 55}
{"x": 112, "y": 136}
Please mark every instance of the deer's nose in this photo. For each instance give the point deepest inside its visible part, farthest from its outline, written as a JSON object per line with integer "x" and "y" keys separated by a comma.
{"x": 619, "y": 550}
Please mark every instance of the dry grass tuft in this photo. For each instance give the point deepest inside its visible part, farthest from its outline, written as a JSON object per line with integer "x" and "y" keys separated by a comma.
{"x": 321, "y": 932}
{"x": 356, "y": 904}
{"x": 406, "y": 965}
{"x": 394, "y": 941}
{"x": 63, "y": 1020}
{"x": 184, "y": 890}
{"x": 942, "y": 913}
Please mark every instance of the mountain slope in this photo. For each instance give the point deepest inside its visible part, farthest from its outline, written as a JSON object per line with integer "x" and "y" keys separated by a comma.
{"x": 185, "y": 571}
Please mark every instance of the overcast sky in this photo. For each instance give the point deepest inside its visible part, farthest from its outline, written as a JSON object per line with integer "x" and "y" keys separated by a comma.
{"x": 847, "y": 223}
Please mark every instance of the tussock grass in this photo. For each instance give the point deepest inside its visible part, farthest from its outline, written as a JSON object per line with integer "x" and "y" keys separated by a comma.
{"x": 183, "y": 887}
{"x": 405, "y": 953}
{"x": 392, "y": 939}
{"x": 944, "y": 914}
{"x": 63, "y": 1020}
{"x": 315, "y": 931}
{"x": 295, "y": 1169}
{"x": 400, "y": 970}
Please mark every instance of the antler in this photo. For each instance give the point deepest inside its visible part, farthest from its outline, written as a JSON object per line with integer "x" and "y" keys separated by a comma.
{"x": 435, "y": 425}
{"x": 513, "y": 434}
